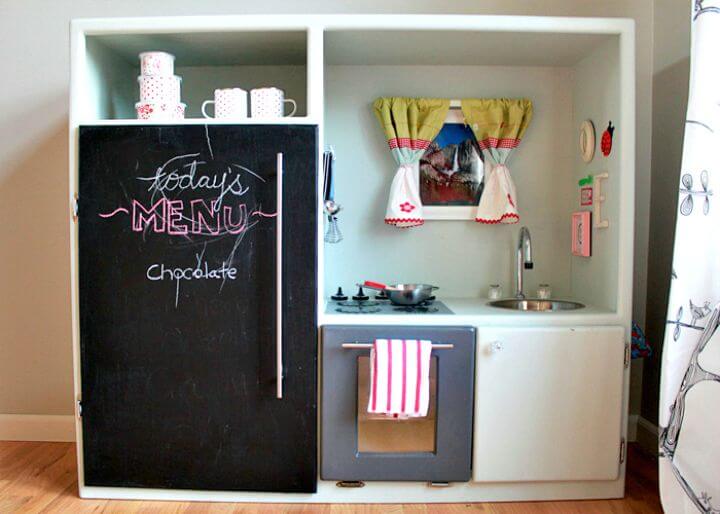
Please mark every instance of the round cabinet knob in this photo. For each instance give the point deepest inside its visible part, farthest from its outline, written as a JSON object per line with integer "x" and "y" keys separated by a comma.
{"x": 496, "y": 346}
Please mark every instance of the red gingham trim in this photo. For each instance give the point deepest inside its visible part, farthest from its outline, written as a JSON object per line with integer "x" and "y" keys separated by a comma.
{"x": 493, "y": 142}
{"x": 406, "y": 142}
{"x": 505, "y": 216}
{"x": 394, "y": 221}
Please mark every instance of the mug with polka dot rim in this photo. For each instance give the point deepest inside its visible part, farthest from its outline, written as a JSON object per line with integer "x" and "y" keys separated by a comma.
{"x": 229, "y": 103}
{"x": 269, "y": 102}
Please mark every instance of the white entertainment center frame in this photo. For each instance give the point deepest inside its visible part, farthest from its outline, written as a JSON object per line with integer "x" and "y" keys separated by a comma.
{"x": 102, "y": 53}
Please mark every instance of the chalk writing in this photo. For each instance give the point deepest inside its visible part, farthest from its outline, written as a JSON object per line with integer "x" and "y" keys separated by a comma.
{"x": 180, "y": 174}
{"x": 168, "y": 216}
{"x": 265, "y": 214}
{"x": 201, "y": 271}
{"x": 113, "y": 213}
{"x": 172, "y": 207}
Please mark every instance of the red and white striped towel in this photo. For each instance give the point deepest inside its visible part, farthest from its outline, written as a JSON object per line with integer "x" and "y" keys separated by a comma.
{"x": 400, "y": 377}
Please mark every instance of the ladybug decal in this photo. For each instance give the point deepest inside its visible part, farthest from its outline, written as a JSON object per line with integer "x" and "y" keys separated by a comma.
{"x": 606, "y": 141}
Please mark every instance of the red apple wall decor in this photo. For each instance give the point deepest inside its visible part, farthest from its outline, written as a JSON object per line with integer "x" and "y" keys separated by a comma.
{"x": 606, "y": 141}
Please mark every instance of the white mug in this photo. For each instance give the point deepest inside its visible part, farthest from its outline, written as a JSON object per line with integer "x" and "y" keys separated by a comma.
{"x": 269, "y": 102}
{"x": 229, "y": 103}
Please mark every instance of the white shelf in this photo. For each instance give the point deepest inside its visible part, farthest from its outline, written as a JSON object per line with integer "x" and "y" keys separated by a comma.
{"x": 300, "y": 120}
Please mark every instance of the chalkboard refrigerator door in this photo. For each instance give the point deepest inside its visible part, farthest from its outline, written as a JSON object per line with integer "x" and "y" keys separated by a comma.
{"x": 181, "y": 303}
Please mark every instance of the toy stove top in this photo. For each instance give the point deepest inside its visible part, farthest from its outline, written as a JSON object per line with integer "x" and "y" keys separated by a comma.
{"x": 381, "y": 304}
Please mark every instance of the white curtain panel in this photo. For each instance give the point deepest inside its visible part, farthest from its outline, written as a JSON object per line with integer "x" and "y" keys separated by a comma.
{"x": 690, "y": 388}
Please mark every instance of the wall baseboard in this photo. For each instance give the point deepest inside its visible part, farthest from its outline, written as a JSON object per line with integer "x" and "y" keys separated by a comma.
{"x": 632, "y": 427}
{"x": 59, "y": 428}
{"x": 647, "y": 435}
{"x": 34, "y": 427}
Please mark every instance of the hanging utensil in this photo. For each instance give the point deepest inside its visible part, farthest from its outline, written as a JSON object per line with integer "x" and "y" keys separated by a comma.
{"x": 332, "y": 233}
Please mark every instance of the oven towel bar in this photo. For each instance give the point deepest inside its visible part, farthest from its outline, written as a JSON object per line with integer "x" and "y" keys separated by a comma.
{"x": 369, "y": 346}
{"x": 400, "y": 377}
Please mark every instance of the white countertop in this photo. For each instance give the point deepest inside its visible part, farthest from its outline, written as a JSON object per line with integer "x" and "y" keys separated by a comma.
{"x": 476, "y": 312}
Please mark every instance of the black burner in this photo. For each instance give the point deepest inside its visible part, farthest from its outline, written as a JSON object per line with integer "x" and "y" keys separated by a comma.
{"x": 382, "y": 295}
{"x": 424, "y": 303}
{"x": 358, "y": 308}
{"x": 359, "y": 303}
{"x": 380, "y": 306}
{"x": 421, "y": 308}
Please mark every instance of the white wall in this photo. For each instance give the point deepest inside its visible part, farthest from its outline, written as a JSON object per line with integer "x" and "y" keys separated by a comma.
{"x": 670, "y": 89}
{"x": 35, "y": 348}
{"x": 597, "y": 97}
{"x": 462, "y": 258}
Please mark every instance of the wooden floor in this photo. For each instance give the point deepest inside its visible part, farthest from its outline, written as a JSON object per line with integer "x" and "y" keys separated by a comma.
{"x": 40, "y": 477}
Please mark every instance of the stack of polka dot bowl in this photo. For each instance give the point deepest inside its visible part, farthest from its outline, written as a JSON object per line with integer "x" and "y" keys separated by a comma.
{"x": 159, "y": 88}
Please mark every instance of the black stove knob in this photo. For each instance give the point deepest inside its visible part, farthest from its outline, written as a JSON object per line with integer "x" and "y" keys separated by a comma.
{"x": 360, "y": 296}
{"x": 339, "y": 296}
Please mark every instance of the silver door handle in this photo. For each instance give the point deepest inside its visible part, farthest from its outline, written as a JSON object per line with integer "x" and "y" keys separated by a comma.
{"x": 278, "y": 281}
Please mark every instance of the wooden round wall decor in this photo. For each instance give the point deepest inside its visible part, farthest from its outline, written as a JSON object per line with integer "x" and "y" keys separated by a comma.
{"x": 587, "y": 140}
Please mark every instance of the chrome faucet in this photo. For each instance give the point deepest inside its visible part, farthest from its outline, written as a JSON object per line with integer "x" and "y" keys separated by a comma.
{"x": 524, "y": 259}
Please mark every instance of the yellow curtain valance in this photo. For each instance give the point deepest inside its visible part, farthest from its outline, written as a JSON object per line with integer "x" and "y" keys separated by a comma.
{"x": 497, "y": 122}
{"x": 493, "y": 120}
{"x": 411, "y": 122}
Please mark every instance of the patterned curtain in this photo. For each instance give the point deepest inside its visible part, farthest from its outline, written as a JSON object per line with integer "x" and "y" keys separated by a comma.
{"x": 690, "y": 388}
{"x": 410, "y": 125}
{"x": 498, "y": 125}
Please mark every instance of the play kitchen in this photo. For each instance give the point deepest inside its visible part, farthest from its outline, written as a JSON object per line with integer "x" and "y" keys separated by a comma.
{"x": 227, "y": 343}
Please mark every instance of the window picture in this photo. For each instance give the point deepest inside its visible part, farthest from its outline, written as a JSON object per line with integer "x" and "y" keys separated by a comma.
{"x": 451, "y": 169}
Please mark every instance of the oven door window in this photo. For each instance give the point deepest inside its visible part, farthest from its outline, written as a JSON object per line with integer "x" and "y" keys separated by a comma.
{"x": 378, "y": 433}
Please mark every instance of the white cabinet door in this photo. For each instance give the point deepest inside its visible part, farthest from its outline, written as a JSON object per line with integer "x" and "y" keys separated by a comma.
{"x": 548, "y": 404}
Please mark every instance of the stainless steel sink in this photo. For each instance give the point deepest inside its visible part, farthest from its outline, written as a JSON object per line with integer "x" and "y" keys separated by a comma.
{"x": 536, "y": 305}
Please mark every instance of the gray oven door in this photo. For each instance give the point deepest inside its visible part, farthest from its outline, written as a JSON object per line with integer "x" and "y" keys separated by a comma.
{"x": 358, "y": 446}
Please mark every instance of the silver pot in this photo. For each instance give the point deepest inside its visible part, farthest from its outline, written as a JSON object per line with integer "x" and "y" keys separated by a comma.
{"x": 403, "y": 294}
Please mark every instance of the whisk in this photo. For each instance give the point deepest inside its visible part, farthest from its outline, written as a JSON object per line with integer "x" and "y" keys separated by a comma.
{"x": 332, "y": 233}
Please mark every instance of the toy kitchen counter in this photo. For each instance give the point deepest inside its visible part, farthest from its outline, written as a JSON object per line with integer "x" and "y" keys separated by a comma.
{"x": 457, "y": 311}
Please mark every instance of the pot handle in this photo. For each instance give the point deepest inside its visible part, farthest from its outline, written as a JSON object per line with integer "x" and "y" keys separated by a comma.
{"x": 374, "y": 285}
